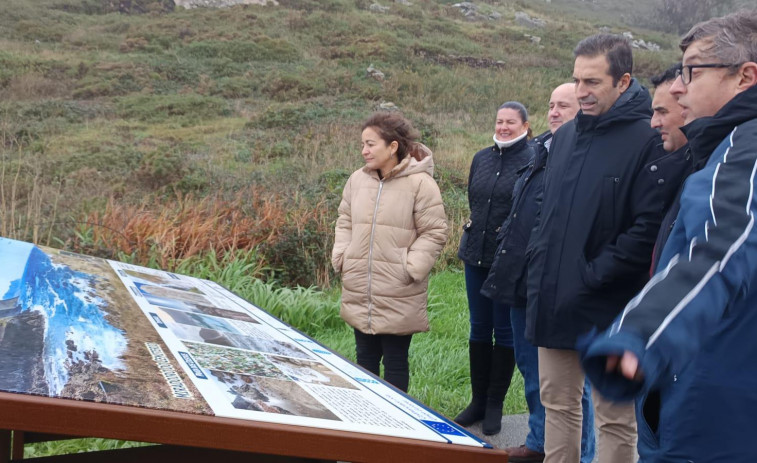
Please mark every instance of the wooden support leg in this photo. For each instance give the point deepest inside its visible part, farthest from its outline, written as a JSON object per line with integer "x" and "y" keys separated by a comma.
{"x": 17, "y": 451}
{"x": 5, "y": 446}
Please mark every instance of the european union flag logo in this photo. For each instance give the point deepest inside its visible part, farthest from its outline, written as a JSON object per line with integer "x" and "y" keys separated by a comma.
{"x": 443, "y": 428}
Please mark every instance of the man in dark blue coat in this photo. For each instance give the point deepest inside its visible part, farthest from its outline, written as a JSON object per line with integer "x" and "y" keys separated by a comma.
{"x": 685, "y": 346}
{"x": 591, "y": 252}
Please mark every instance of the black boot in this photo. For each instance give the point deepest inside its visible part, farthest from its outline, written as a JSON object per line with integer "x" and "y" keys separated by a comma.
{"x": 503, "y": 364}
{"x": 480, "y": 354}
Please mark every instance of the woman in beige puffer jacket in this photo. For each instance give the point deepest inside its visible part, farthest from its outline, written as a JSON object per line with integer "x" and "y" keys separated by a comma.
{"x": 390, "y": 231}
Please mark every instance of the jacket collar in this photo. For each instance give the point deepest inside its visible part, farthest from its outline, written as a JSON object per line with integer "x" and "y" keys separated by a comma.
{"x": 516, "y": 147}
{"x": 706, "y": 133}
{"x": 632, "y": 105}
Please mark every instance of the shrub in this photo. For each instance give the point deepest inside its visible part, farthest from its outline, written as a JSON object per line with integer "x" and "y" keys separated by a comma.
{"x": 262, "y": 49}
{"x": 69, "y": 111}
{"x": 290, "y": 115}
{"x": 292, "y": 236}
{"x": 110, "y": 79}
{"x": 234, "y": 87}
{"x": 301, "y": 254}
{"x": 156, "y": 108}
{"x": 13, "y": 65}
{"x": 280, "y": 149}
{"x": 293, "y": 86}
{"x": 161, "y": 167}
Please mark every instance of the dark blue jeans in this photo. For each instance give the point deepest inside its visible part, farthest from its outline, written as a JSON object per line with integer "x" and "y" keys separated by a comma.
{"x": 527, "y": 359}
{"x": 487, "y": 318}
{"x": 393, "y": 349}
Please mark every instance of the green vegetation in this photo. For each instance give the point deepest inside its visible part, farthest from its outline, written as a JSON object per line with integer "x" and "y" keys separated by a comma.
{"x": 139, "y": 106}
{"x": 215, "y": 142}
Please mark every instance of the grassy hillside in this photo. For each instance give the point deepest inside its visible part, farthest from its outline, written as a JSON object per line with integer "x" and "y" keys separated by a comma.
{"x": 124, "y": 133}
{"x": 217, "y": 142}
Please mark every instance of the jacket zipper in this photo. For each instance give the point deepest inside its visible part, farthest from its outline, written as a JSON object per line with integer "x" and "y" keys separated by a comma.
{"x": 489, "y": 202}
{"x": 370, "y": 252}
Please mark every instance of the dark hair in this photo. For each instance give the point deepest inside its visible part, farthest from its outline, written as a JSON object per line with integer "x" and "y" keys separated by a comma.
{"x": 668, "y": 75}
{"x": 516, "y": 106}
{"x": 392, "y": 126}
{"x": 615, "y": 48}
{"x": 732, "y": 38}
{"x": 522, "y": 111}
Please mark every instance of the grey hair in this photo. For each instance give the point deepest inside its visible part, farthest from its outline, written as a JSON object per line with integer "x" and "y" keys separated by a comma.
{"x": 728, "y": 39}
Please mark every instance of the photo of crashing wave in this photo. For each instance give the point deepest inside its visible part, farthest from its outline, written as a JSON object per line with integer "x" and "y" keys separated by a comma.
{"x": 70, "y": 328}
{"x": 52, "y": 323}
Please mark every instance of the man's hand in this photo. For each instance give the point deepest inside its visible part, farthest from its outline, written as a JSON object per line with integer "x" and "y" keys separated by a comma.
{"x": 627, "y": 365}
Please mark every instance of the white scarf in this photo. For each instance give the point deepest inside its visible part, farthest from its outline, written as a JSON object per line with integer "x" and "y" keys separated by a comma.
{"x": 509, "y": 143}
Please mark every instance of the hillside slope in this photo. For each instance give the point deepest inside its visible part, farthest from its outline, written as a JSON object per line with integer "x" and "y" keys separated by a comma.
{"x": 144, "y": 103}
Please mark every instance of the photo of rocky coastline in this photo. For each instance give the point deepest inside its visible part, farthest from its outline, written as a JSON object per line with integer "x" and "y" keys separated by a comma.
{"x": 69, "y": 328}
{"x": 270, "y": 395}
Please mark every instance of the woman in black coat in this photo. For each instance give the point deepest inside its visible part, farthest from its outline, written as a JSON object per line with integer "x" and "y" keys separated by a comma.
{"x": 493, "y": 173}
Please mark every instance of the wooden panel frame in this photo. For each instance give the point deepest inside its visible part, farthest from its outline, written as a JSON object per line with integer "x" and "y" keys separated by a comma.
{"x": 89, "y": 419}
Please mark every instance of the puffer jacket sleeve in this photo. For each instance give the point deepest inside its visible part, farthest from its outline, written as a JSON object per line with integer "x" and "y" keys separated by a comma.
{"x": 343, "y": 231}
{"x": 431, "y": 226}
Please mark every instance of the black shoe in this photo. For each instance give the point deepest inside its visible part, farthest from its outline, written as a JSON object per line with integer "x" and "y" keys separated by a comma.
{"x": 473, "y": 413}
{"x": 492, "y": 423}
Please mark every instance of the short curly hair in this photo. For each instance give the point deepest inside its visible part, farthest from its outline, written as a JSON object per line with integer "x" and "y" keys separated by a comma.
{"x": 393, "y": 126}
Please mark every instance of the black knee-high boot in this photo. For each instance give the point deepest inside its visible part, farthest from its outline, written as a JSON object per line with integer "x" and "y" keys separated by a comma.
{"x": 502, "y": 366}
{"x": 480, "y": 354}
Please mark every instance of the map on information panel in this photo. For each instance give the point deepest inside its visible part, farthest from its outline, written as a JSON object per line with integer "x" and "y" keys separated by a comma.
{"x": 86, "y": 328}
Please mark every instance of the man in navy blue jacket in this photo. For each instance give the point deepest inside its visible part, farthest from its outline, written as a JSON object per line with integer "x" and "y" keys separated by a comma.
{"x": 686, "y": 346}
{"x": 592, "y": 249}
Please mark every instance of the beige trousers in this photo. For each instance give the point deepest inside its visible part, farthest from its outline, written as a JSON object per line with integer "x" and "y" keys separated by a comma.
{"x": 561, "y": 381}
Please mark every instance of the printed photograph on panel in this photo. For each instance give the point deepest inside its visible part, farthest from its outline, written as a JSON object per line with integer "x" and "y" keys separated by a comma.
{"x": 143, "y": 280}
{"x": 173, "y": 317}
{"x": 310, "y": 372}
{"x": 148, "y": 277}
{"x": 158, "y": 294}
{"x": 219, "y": 312}
{"x": 70, "y": 328}
{"x": 270, "y": 395}
{"x": 233, "y": 360}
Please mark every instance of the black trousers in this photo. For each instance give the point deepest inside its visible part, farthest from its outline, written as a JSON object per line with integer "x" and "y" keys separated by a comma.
{"x": 393, "y": 349}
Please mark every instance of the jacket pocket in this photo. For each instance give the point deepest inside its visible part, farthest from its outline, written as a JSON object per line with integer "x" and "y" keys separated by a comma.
{"x": 648, "y": 419}
{"x": 607, "y": 204}
{"x": 586, "y": 277}
{"x": 462, "y": 250}
{"x": 403, "y": 259}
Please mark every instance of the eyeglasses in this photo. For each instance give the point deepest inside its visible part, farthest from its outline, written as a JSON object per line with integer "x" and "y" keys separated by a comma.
{"x": 685, "y": 70}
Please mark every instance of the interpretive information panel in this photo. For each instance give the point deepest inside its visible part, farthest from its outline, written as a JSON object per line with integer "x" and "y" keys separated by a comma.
{"x": 86, "y": 328}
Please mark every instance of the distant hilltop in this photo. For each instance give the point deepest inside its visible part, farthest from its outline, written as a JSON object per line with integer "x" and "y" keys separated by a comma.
{"x": 188, "y": 4}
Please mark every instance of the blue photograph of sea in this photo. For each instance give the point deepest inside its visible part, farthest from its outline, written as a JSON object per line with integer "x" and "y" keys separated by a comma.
{"x": 71, "y": 312}
{"x": 70, "y": 328}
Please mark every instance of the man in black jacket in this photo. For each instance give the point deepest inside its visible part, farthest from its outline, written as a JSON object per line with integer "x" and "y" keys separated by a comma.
{"x": 668, "y": 119}
{"x": 685, "y": 345}
{"x": 592, "y": 250}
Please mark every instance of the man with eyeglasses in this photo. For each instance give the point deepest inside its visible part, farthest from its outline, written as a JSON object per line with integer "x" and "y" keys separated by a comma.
{"x": 686, "y": 346}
